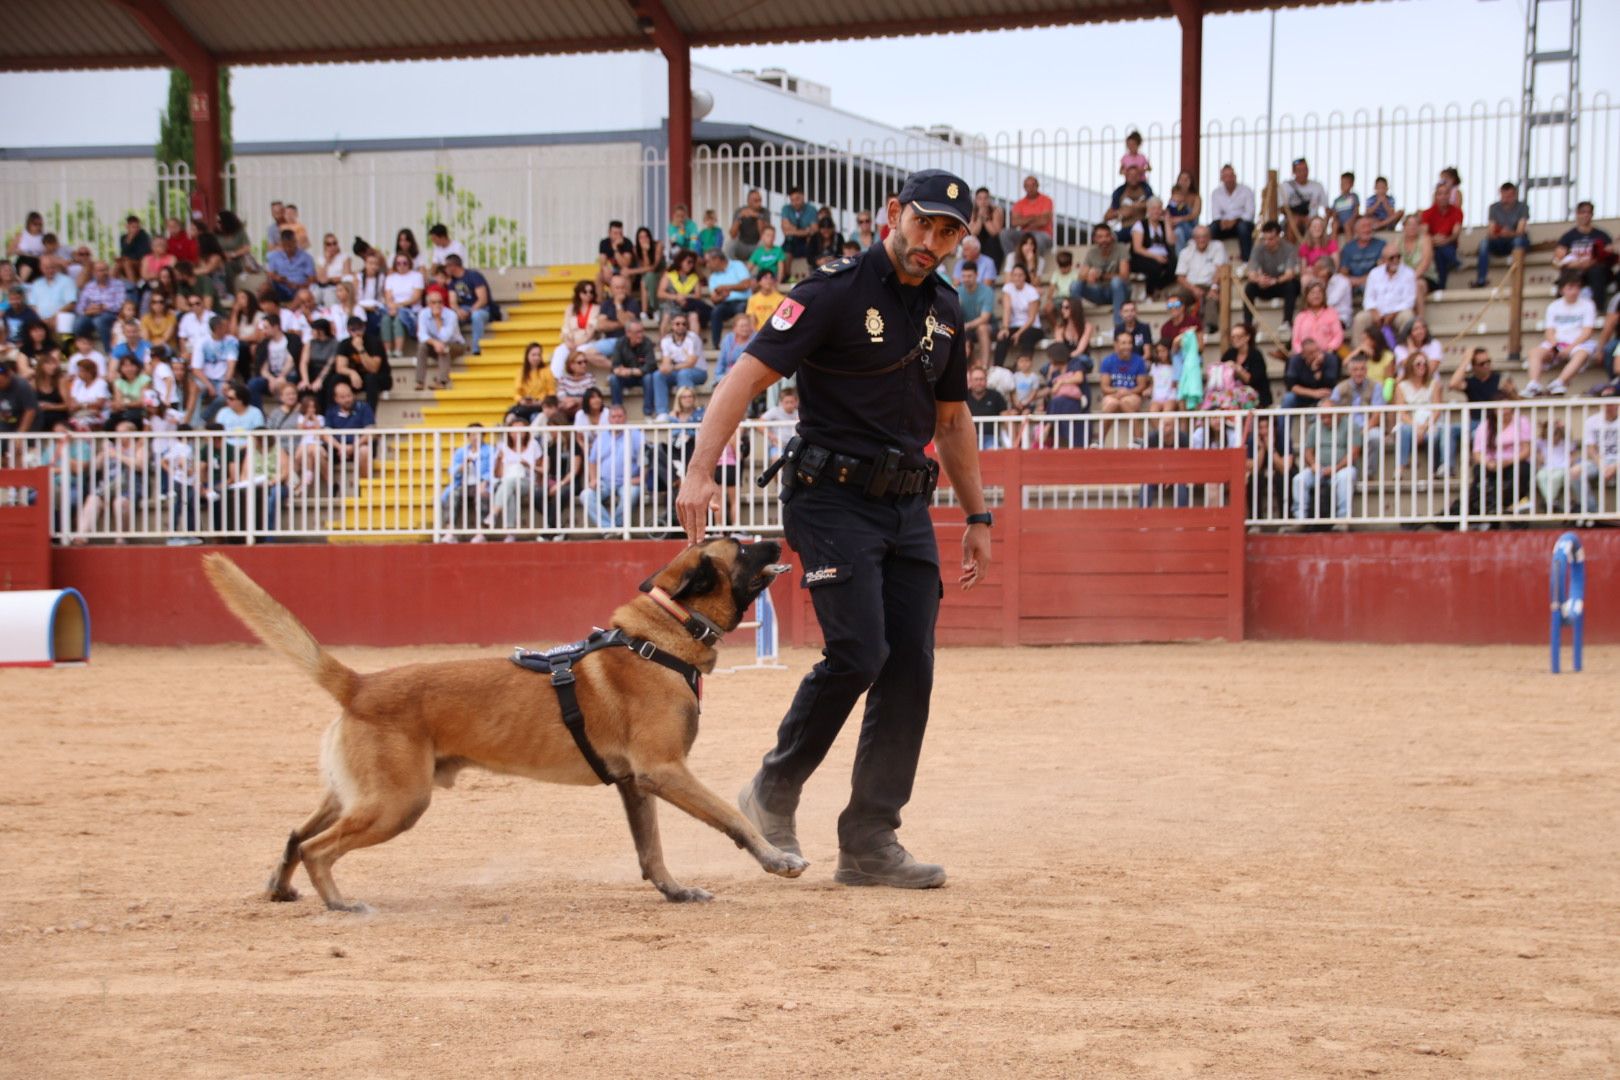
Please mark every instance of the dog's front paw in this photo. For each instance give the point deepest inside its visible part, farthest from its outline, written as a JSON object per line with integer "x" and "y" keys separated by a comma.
{"x": 280, "y": 894}
{"x": 688, "y": 894}
{"x": 785, "y": 864}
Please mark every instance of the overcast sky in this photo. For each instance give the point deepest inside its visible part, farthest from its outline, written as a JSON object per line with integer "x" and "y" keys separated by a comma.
{"x": 1403, "y": 53}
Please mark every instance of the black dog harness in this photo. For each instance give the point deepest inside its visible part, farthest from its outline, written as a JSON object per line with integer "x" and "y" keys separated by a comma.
{"x": 559, "y": 664}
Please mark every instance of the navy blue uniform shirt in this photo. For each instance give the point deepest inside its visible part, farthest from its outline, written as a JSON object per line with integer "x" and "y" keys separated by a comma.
{"x": 854, "y": 317}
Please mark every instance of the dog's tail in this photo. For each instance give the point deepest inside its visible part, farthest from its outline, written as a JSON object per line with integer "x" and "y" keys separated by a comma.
{"x": 279, "y": 628}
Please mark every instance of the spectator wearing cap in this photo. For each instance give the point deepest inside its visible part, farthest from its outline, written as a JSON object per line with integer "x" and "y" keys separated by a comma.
{"x": 288, "y": 267}
{"x": 1507, "y": 230}
{"x": 1231, "y": 212}
{"x": 1031, "y": 216}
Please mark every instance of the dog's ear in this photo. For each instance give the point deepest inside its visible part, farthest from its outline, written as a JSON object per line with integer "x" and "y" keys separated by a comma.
{"x": 698, "y": 581}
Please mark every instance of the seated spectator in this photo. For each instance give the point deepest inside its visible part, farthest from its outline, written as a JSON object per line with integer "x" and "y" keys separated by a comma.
{"x": 235, "y": 248}
{"x": 1162, "y": 382}
{"x": 1141, "y": 333}
{"x": 1418, "y": 392}
{"x": 49, "y": 384}
{"x": 1389, "y": 299}
{"x": 288, "y": 267}
{"x": 518, "y": 470}
{"x": 574, "y": 385}
{"x": 1346, "y": 205}
{"x": 864, "y": 238}
{"x": 1031, "y": 215}
{"x": 535, "y": 383}
{"x": 1068, "y": 395}
{"x": 1182, "y": 316}
{"x": 578, "y": 328}
{"x": 440, "y": 247}
{"x": 156, "y": 261}
{"x": 1417, "y": 340}
{"x": 729, "y": 288}
{"x": 766, "y": 299}
{"x": 1150, "y": 249}
{"x": 1508, "y": 228}
{"x": 344, "y": 307}
{"x": 1330, "y": 452}
{"x": 634, "y": 359}
{"x": 1182, "y": 209}
{"x": 710, "y": 237}
{"x": 984, "y": 403}
{"x": 1231, "y": 210}
{"x": 1318, "y": 321}
{"x": 297, "y": 314}
{"x": 732, "y": 347}
{"x": 84, "y": 348}
{"x": 283, "y": 415}
{"x": 1571, "y": 322}
{"x": 608, "y": 251}
{"x": 236, "y": 418}
{"x": 682, "y": 234}
{"x": 358, "y": 360}
{"x": 592, "y": 412}
{"x": 333, "y": 266}
{"x": 165, "y": 384}
{"x": 1060, "y": 285}
{"x": 1317, "y": 244}
{"x": 784, "y": 418}
{"x": 1310, "y": 377}
{"x": 1361, "y": 255}
{"x": 1589, "y": 252}
{"x": 401, "y": 299}
{"x": 613, "y": 473}
{"x": 277, "y": 362}
{"x": 1476, "y": 379}
{"x": 1020, "y": 315}
{"x": 52, "y": 295}
{"x": 98, "y": 304}
{"x": 681, "y": 291}
{"x": 617, "y": 310}
{"x": 1249, "y": 364}
{"x": 213, "y": 364}
{"x": 19, "y": 313}
{"x": 798, "y": 225}
{"x": 1273, "y": 273}
{"x": 1128, "y": 204}
{"x": 159, "y": 325}
{"x": 26, "y": 247}
{"x": 1372, "y": 349}
{"x": 1105, "y": 274}
{"x": 826, "y": 244}
{"x": 89, "y": 397}
{"x": 1503, "y": 443}
{"x": 978, "y": 302}
{"x": 1381, "y": 207}
{"x": 1029, "y": 391}
{"x": 19, "y": 403}
{"x": 743, "y": 236}
{"x": 768, "y": 256}
{"x": 1302, "y": 199}
{"x": 133, "y": 246}
{"x": 349, "y": 451}
{"x": 1123, "y": 377}
{"x": 37, "y": 341}
{"x": 1600, "y": 465}
{"x": 1443, "y": 221}
{"x": 1197, "y": 266}
{"x": 646, "y": 265}
{"x": 973, "y": 255}
{"x": 1609, "y": 338}
{"x": 465, "y": 498}
{"x": 1559, "y": 457}
{"x": 985, "y": 229}
{"x": 440, "y": 340}
{"x": 1028, "y": 256}
{"x": 680, "y": 363}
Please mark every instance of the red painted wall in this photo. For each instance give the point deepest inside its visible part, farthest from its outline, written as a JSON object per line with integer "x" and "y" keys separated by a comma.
{"x": 1440, "y": 587}
{"x": 1463, "y": 588}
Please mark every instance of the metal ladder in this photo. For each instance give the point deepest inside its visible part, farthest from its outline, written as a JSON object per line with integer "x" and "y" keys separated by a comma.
{"x": 1539, "y": 166}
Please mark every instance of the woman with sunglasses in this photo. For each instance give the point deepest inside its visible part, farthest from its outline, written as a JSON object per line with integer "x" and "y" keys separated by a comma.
{"x": 680, "y": 291}
{"x": 402, "y": 299}
{"x": 578, "y": 328}
{"x": 331, "y": 267}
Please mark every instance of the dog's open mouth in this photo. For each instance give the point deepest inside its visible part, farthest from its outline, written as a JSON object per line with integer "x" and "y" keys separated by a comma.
{"x": 768, "y": 574}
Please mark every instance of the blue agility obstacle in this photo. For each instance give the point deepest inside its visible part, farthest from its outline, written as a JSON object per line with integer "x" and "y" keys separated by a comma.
{"x": 1567, "y": 598}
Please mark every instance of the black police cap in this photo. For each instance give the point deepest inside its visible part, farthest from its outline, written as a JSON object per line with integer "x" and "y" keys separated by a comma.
{"x": 935, "y": 191}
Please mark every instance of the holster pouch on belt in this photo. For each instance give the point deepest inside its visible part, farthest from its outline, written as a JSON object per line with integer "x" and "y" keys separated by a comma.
{"x": 811, "y": 461}
{"x": 885, "y": 470}
{"x": 790, "y": 453}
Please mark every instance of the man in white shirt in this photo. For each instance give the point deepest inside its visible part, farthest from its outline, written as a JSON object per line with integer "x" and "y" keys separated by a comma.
{"x": 1196, "y": 267}
{"x": 53, "y": 294}
{"x": 1339, "y": 291}
{"x": 1302, "y": 199}
{"x": 1600, "y": 467}
{"x": 193, "y": 326}
{"x": 441, "y": 247}
{"x": 1231, "y": 208}
{"x": 1389, "y": 298}
{"x": 1571, "y": 321}
{"x": 439, "y": 332}
{"x": 680, "y": 363}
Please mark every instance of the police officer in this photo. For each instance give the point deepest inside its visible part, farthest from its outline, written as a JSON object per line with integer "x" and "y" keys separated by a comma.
{"x": 876, "y": 343}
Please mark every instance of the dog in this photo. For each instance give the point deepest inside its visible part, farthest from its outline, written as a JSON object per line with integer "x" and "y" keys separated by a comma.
{"x": 406, "y": 729}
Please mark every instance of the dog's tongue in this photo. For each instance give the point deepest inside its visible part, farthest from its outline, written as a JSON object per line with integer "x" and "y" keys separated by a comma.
{"x": 778, "y": 568}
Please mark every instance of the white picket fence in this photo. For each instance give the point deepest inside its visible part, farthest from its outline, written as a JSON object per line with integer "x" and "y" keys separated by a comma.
{"x": 622, "y": 481}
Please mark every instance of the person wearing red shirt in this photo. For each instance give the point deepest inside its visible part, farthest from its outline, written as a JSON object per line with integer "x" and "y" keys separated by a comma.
{"x": 1444, "y": 222}
{"x": 182, "y": 245}
{"x": 1031, "y": 214}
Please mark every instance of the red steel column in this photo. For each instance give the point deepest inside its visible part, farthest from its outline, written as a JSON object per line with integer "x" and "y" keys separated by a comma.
{"x": 207, "y": 144}
{"x": 1190, "y": 14}
{"x": 680, "y": 124}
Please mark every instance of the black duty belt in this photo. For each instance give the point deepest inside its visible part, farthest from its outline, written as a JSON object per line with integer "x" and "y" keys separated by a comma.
{"x": 882, "y": 477}
{"x": 559, "y": 664}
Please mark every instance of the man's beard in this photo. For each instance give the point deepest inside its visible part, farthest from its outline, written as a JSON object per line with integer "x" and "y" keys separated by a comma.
{"x": 902, "y": 256}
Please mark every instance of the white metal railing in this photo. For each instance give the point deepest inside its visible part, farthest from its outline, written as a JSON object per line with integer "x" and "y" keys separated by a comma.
{"x": 519, "y": 205}
{"x": 1391, "y": 468}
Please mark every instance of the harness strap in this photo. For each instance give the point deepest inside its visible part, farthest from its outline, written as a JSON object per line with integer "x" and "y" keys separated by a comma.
{"x": 562, "y": 680}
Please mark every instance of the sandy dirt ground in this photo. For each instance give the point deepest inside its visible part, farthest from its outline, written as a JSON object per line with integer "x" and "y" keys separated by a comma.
{"x": 1225, "y": 860}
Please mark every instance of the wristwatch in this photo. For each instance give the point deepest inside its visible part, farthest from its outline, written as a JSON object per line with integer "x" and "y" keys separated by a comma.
{"x": 981, "y": 519}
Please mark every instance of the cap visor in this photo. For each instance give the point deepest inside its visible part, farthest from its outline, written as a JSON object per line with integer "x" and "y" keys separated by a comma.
{"x": 933, "y": 209}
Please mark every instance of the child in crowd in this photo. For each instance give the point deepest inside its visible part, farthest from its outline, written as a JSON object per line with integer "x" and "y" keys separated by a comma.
{"x": 152, "y": 265}
{"x": 1381, "y": 206}
{"x": 1165, "y": 386}
{"x": 1133, "y": 156}
{"x": 710, "y": 237}
{"x": 1347, "y": 204}
{"x": 1028, "y": 391}
{"x": 769, "y": 255}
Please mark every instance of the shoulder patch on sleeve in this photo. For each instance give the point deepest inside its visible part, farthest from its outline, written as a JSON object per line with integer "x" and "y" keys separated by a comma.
{"x": 787, "y": 313}
{"x": 838, "y": 266}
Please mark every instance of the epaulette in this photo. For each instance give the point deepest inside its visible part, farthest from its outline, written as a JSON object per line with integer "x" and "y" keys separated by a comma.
{"x": 837, "y": 266}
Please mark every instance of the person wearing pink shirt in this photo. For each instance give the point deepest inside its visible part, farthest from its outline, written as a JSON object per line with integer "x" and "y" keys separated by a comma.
{"x": 1317, "y": 320}
{"x": 1503, "y": 443}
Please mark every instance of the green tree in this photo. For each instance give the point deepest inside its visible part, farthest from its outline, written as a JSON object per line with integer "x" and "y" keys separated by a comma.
{"x": 177, "y": 141}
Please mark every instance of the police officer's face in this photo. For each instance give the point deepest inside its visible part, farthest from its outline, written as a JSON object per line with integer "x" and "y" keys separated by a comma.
{"x": 922, "y": 241}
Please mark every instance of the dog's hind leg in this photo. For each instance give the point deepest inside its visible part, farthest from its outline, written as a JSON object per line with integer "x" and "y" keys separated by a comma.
{"x": 358, "y": 827}
{"x": 642, "y": 810}
{"x": 674, "y": 782}
{"x": 280, "y": 885}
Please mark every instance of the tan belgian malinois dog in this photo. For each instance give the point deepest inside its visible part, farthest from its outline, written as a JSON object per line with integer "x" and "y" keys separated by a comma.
{"x": 408, "y": 728}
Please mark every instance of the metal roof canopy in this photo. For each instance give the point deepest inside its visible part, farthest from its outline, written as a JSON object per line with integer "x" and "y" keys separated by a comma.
{"x": 199, "y": 36}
